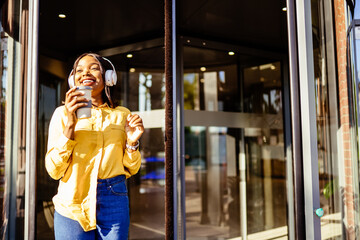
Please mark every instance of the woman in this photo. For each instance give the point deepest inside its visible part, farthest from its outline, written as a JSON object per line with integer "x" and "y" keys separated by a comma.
{"x": 93, "y": 156}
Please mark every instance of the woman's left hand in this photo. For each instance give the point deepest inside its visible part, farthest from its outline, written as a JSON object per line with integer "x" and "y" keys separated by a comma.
{"x": 134, "y": 129}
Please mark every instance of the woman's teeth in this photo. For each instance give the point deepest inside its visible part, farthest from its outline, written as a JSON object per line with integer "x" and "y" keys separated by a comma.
{"x": 87, "y": 81}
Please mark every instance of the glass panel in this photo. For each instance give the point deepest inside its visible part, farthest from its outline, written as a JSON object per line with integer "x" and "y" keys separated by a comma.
{"x": 331, "y": 173}
{"x": 262, "y": 86}
{"x": 140, "y": 87}
{"x": 352, "y": 167}
{"x": 220, "y": 85}
{"x": 357, "y": 49}
{"x": 13, "y": 35}
{"x": 46, "y": 186}
{"x": 147, "y": 188}
{"x": 3, "y": 83}
{"x": 142, "y": 91}
{"x": 357, "y": 11}
{"x": 215, "y": 151}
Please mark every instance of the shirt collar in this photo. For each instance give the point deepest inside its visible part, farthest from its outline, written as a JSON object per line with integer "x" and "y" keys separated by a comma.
{"x": 104, "y": 105}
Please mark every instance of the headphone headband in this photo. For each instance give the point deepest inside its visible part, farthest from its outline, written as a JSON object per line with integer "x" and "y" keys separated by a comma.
{"x": 113, "y": 68}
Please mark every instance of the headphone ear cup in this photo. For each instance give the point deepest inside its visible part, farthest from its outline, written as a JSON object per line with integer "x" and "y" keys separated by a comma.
{"x": 71, "y": 81}
{"x": 110, "y": 78}
{"x": 114, "y": 78}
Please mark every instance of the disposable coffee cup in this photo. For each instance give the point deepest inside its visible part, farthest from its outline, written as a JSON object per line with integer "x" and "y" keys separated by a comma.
{"x": 84, "y": 112}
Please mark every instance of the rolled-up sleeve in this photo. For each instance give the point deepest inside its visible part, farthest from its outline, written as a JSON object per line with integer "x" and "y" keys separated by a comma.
{"x": 59, "y": 148}
{"x": 132, "y": 162}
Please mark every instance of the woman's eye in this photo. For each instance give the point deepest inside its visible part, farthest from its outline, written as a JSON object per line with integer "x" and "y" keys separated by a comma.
{"x": 78, "y": 70}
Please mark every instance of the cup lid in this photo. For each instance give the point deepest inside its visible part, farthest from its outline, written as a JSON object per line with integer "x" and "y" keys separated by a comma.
{"x": 84, "y": 88}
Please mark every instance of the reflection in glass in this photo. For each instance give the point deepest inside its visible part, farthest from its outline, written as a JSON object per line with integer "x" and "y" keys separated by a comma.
{"x": 46, "y": 186}
{"x": 213, "y": 153}
{"x": 220, "y": 85}
{"x": 327, "y": 122}
{"x": 3, "y": 81}
{"x": 262, "y": 86}
{"x": 145, "y": 84}
{"x": 357, "y": 53}
{"x": 212, "y": 182}
{"x": 13, "y": 35}
{"x": 147, "y": 188}
{"x": 145, "y": 91}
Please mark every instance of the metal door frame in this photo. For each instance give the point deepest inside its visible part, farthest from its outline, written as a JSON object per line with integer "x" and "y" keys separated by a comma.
{"x": 31, "y": 120}
{"x": 303, "y": 99}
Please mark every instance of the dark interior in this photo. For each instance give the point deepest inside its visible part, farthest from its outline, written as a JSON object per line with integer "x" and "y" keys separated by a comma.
{"x": 95, "y": 26}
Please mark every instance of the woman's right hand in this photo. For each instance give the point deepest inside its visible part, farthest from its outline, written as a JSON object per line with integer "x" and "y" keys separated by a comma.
{"x": 73, "y": 101}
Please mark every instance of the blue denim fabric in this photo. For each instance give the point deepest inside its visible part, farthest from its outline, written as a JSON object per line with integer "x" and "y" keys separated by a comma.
{"x": 66, "y": 229}
{"x": 112, "y": 209}
{"x": 112, "y": 214}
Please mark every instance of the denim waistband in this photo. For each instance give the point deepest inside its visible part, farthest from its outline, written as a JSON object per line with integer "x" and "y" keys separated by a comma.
{"x": 112, "y": 180}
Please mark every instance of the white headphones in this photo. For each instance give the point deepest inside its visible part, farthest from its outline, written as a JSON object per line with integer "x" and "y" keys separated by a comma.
{"x": 110, "y": 76}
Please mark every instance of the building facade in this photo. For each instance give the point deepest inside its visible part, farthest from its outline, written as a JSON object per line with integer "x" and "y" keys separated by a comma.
{"x": 251, "y": 110}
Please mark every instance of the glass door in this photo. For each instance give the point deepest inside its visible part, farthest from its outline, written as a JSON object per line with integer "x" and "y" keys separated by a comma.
{"x": 141, "y": 88}
{"x": 135, "y": 46}
{"x": 235, "y": 174}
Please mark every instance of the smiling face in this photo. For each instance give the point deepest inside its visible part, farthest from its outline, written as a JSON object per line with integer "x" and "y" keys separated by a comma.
{"x": 88, "y": 73}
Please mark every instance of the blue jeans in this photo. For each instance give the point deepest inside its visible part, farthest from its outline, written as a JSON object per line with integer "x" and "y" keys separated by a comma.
{"x": 112, "y": 214}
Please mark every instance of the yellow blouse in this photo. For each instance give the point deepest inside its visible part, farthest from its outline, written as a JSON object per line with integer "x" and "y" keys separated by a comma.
{"x": 97, "y": 151}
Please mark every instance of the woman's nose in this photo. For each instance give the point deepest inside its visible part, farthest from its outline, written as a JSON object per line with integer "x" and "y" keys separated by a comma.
{"x": 85, "y": 72}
